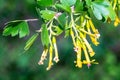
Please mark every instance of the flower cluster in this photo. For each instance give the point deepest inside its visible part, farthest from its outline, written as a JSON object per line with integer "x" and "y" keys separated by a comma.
{"x": 82, "y": 31}
{"x": 81, "y": 45}
{"x": 78, "y": 32}
{"x": 53, "y": 46}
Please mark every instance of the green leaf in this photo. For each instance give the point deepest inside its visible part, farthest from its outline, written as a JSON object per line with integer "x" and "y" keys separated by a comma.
{"x": 62, "y": 21}
{"x": 45, "y": 3}
{"x": 24, "y": 29}
{"x": 45, "y": 36}
{"x": 68, "y": 2}
{"x": 63, "y": 7}
{"x": 103, "y": 8}
{"x": 15, "y": 31}
{"x": 47, "y": 14}
{"x": 14, "y": 28}
{"x": 10, "y": 28}
{"x": 78, "y": 6}
{"x": 88, "y": 2}
{"x": 102, "y": 2}
{"x": 30, "y": 41}
{"x": 97, "y": 14}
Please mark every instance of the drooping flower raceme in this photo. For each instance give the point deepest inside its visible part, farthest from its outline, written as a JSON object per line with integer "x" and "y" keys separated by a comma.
{"x": 80, "y": 27}
{"x": 72, "y": 17}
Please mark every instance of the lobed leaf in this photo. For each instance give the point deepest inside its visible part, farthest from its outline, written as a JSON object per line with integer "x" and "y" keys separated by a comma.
{"x": 24, "y": 29}
{"x": 15, "y": 31}
{"x": 7, "y": 31}
{"x": 14, "y": 28}
{"x": 103, "y": 9}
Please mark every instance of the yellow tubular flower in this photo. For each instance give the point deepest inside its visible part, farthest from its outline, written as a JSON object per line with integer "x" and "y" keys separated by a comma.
{"x": 94, "y": 40}
{"x": 89, "y": 33}
{"x": 91, "y": 52}
{"x": 78, "y": 51}
{"x": 97, "y": 35}
{"x": 93, "y": 27}
{"x": 56, "y": 58}
{"x": 50, "y": 58}
{"x": 88, "y": 26}
{"x": 43, "y": 57}
{"x": 86, "y": 56}
{"x": 79, "y": 62}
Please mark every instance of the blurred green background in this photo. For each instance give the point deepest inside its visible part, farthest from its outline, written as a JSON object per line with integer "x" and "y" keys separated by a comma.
{"x": 15, "y": 64}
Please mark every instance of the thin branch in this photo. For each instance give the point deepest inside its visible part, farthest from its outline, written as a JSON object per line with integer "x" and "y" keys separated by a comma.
{"x": 28, "y": 20}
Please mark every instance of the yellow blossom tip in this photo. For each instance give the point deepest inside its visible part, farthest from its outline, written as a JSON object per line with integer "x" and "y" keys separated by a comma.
{"x": 96, "y": 43}
{"x": 92, "y": 54}
{"x": 79, "y": 64}
{"x": 117, "y": 21}
{"x": 54, "y": 40}
{"x": 49, "y": 67}
{"x": 116, "y": 24}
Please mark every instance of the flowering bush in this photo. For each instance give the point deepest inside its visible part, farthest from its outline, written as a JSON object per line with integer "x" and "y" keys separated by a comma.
{"x": 71, "y": 17}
